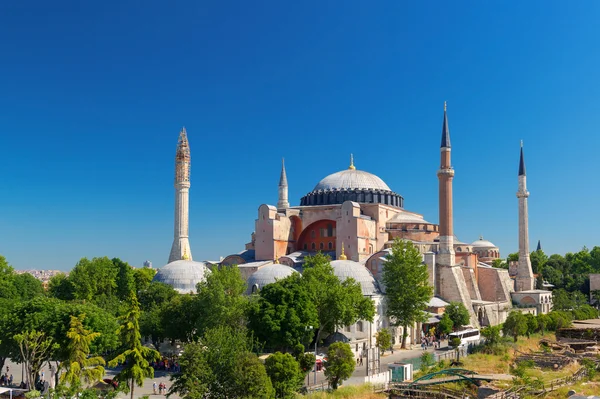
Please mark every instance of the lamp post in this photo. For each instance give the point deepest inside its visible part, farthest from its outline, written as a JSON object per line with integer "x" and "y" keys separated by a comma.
{"x": 310, "y": 328}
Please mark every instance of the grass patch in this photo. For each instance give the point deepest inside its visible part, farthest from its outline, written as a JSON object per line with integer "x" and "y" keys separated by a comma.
{"x": 347, "y": 392}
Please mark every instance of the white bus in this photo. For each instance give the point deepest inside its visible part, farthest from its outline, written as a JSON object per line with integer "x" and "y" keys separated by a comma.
{"x": 466, "y": 336}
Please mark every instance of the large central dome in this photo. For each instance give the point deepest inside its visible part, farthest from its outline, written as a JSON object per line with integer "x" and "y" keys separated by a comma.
{"x": 350, "y": 179}
{"x": 352, "y": 185}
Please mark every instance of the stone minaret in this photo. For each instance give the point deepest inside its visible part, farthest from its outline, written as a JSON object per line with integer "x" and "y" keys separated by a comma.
{"x": 181, "y": 244}
{"x": 283, "y": 202}
{"x": 445, "y": 175}
{"x": 525, "y": 280}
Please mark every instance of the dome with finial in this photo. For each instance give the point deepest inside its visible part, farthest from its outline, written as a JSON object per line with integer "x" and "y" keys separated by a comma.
{"x": 183, "y": 275}
{"x": 352, "y": 185}
{"x": 483, "y": 243}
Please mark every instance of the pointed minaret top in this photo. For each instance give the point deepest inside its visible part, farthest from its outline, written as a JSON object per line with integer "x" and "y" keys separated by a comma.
{"x": 445, "y": 130}
{"x": 522, "y": 162}
{"x": 351, "y": 167}
{"x": 539, "y": 246}
{"x": 283, "y": 177}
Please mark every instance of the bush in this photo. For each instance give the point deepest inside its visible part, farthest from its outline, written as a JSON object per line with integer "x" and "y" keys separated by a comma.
{"x": 427, "y": 360}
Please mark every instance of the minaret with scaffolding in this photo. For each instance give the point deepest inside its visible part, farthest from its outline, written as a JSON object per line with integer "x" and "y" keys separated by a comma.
{"x": 181, "y": 244}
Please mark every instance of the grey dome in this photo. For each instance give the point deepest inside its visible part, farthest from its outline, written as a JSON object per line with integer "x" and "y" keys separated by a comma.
{"x": 483, "y": 243}
{"x": 182, "y": 275}
{"x": 351, "y": 179}
{"x": 267, "y": 275}
{"x": 344, "y": 269}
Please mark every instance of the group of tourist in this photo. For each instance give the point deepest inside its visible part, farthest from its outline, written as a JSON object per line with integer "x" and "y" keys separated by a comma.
{"x": 6, "y": 380}
{"x": 167, "y": 365}
{"x": 162, "y": 388}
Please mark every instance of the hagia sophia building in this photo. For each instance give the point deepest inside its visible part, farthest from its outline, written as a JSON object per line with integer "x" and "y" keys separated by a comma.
{"x": 353, "y": 216}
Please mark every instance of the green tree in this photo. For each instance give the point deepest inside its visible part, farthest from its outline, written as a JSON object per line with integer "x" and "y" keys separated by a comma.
{"x": 179, "y": 318}
{"x": 251, "y": 379}
{"x": 538, "y": 261}
{"x": 154, "y": 299}
{"x": 515, "y": 325}
{"x": 338, "y": 303}
{"x": 155, "y": 295}
{"x": 458, "y": 313}
{"x": 285, "y": 374}
{"x": 61, "y": 287}
{"x": 383, "y": 340}
{"x": 143, "y": 277}
{"x": 305, "y": 360}
{"x": 543, "y": 321}
{"x": 35, "y": 349}
{"x": 222, "y": 366}
{"x": 340, "y": 363}
{"x": 135, "y": 356}
{"x": 491, "y": 335}
{"x": 221, "y": 299}
{"x": 446, "y": 325}
{"x": 193, "y": 380}
{"x": 407, "y": 288}
{"x": 280, "y": 313}
{"x": 454, "y": 342}
{"x": 125, "y": 281}
{"x": 79, "y": 365}
{"x": 96, "y": 281}
{"x": 559, "y": 319}
{"x": 27, "y": 286}
{"x": 532, "y": 324}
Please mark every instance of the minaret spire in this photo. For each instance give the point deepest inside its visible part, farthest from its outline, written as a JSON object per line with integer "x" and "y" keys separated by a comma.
{"x": 445, "y": 130}
{"x": 524, "y": 280}
{"x": 352, "y": 167}
{"x": 446, "y": 255}
{"x": 522, "y": 163}
{"x": 283, "y": 202}
{"x": 181, "y": 245}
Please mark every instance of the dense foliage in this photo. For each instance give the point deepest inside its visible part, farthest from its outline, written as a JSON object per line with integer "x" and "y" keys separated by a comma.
{"x": 407, "y": 288}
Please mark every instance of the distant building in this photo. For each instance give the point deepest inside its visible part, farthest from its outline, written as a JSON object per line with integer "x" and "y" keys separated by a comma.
{"x": 148, "y": 264}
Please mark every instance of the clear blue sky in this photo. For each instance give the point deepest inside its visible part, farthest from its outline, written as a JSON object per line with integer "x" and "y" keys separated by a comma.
{"x": 93, "y": 96}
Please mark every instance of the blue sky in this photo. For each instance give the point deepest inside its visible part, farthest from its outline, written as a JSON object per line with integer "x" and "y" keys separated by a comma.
{"x": 94, "y": 94}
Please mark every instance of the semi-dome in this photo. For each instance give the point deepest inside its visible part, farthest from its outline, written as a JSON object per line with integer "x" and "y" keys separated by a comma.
{"x": 267, "y": 275}
{"x": 344, "y": 269}
{"x": 352, "y": 179}
{"x": 182, "y": 275}
{"x": 352, "y": 185}
{"x": 483, "y": 243}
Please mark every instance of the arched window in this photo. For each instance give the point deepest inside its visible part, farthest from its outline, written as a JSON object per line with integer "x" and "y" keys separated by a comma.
{"x": 255, "y": 288}
{"x": 330, "y": 245}
{"x": 312, "y": 234}
{"x": 313, "y": 246}
{"x": 305, "y": 246}
{"x": 359, "y": 326}
{"x": 321, "y": 246}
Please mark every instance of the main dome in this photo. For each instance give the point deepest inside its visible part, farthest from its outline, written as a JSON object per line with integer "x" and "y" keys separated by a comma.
{"x": 352, "y": 185}
{"x": 352, "y": 179}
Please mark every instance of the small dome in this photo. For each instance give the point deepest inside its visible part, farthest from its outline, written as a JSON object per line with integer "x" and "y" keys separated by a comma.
{"x": 481, "y": 243}
{"x": 348, "y": 268}
{"x": 351, "y": 179}
{"x": 267, "y": 275}
{"x": 182, "y": 275}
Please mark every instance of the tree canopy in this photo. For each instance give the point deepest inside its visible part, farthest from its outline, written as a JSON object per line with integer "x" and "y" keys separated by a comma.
{"x": 407, "y": 288}
{"x": 337, "y": 303}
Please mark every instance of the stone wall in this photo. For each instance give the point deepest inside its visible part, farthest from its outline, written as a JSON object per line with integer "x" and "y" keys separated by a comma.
{"x": 452, "y": 288}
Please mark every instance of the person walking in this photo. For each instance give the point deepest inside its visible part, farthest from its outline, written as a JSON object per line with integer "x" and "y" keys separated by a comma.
{"x": 154, "y": 387}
